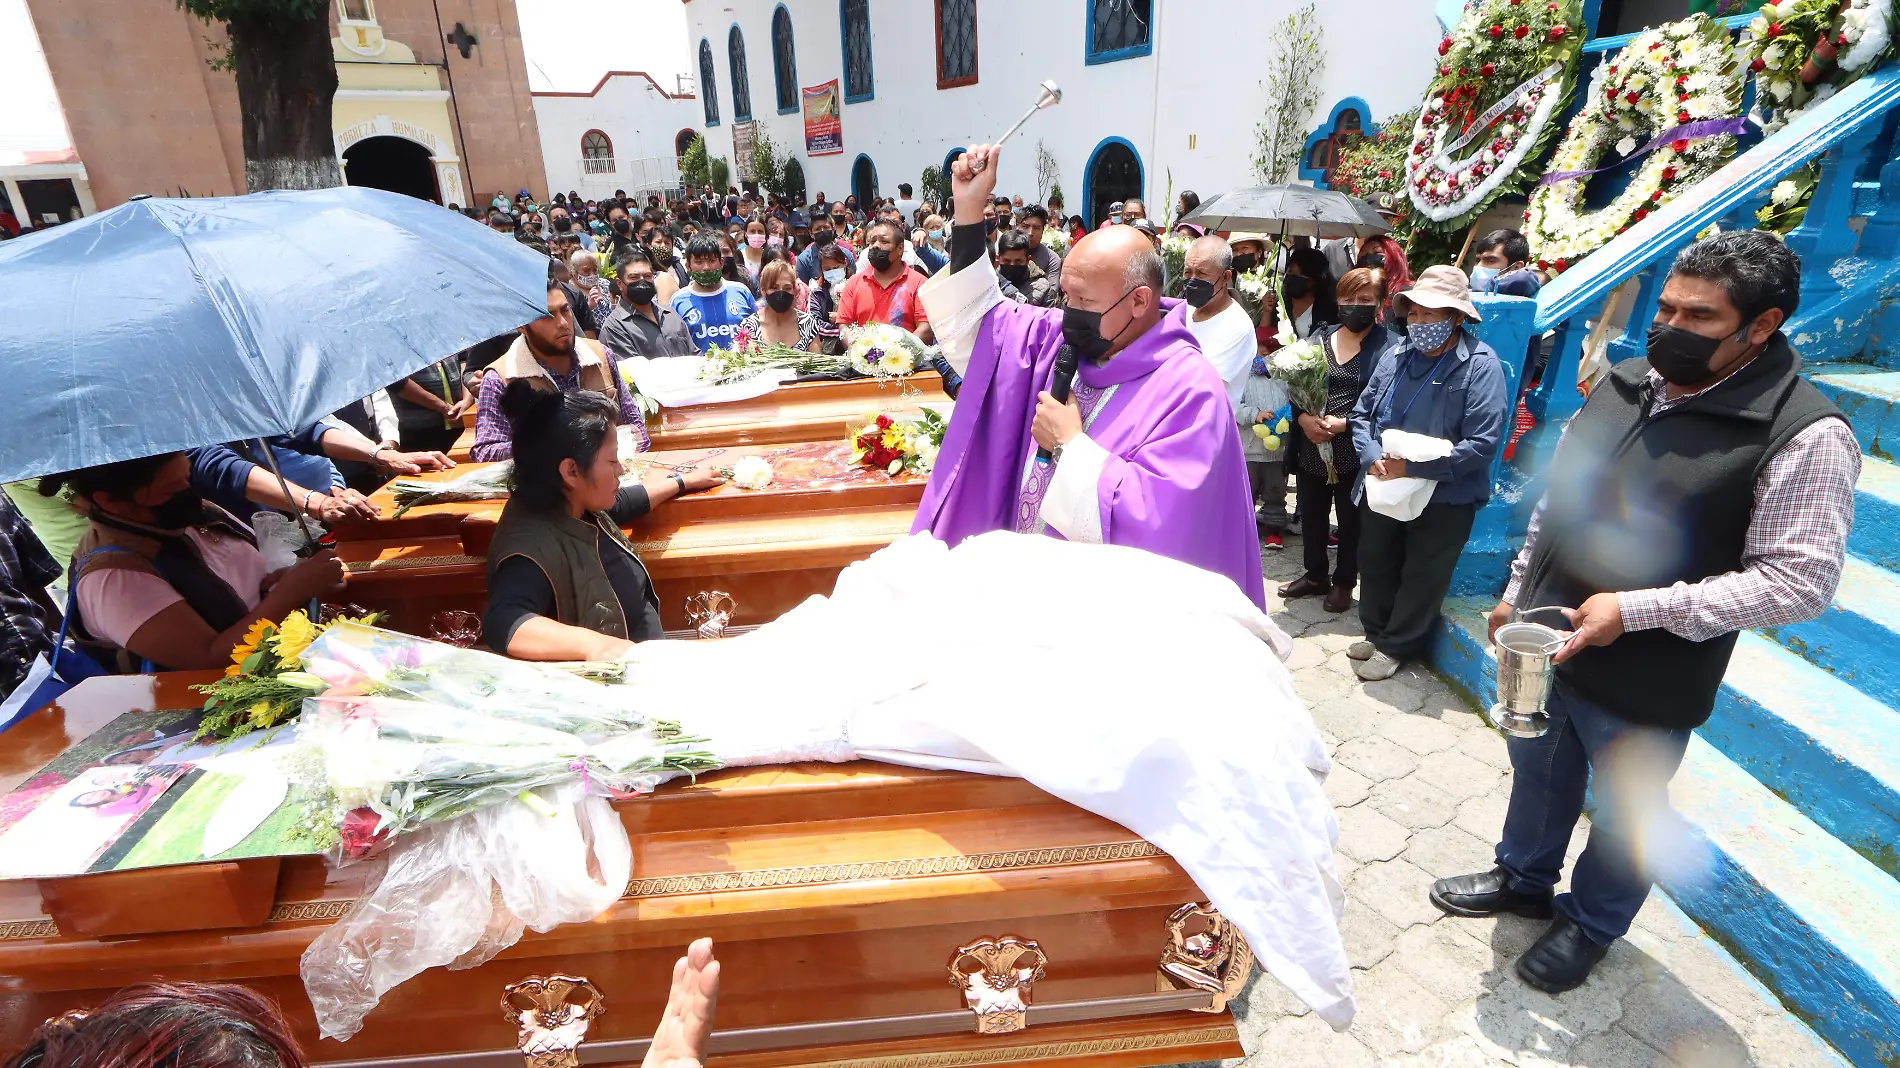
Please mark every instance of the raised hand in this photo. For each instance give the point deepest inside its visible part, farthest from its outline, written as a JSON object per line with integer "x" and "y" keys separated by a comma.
{"x": 973, "y": 182}
{"x": 680, "y": 1040}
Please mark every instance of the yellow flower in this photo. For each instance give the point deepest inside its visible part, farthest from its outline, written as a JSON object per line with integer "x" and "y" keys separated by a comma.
{"x": 245, "y": 648}
{"x": 294, "y": 636}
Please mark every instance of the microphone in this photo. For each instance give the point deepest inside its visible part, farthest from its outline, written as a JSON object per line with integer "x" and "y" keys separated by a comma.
{"x": 1066, "y": 360}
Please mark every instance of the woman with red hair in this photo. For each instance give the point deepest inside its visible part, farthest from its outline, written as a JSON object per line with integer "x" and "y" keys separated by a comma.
{"x": 1381, "y": 253}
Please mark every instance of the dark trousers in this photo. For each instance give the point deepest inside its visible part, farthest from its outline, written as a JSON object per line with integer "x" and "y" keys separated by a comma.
{"x": 1406, "y": 572}
{"x": 1632, "y": 765}
{"x": 1317, "y": 500}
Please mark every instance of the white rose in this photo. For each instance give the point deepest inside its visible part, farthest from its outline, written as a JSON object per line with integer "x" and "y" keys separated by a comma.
{"x": 1626, "y": 146}
{"x": 1785, "y": 193}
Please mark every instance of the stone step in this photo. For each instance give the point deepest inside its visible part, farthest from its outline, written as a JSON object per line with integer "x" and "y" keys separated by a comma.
{"x": 1876, "y": 534}
{"x": 1814, "y": 920}
{"x": 1866, "y": 394}
{"x": 1857, "y": 637}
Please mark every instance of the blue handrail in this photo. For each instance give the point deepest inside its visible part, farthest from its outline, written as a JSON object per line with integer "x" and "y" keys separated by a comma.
{"x": 1749, "y": 175}
{"x": 1611, "y": 44}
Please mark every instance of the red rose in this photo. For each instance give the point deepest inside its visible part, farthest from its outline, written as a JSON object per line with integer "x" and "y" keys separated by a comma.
{"x": 1444, "y": 46}
{"x": 1841, "y": 40}
{"x": 883, "y": 422}
{"x": 1497, "y": 30}
{"x": 1542, "y": 265}
{"x": 359, "y": 834}
{"x": 1682, "y": 117}
{"x": 1632, "y": 96}
{"x": 1680, "y": 144}
{"x": 1560, "y": 264}
{"x": 1550, "y": 6}
{"x": 1521, "y": 32}
{"x": 1656, "y": 198}
{"x": 1385, "y": 174}
{"x": 1669, "y": 174}
{"x": 1557, "y": 32}
{"x": 1444, "y": 72}
{"x": 1488, "y": 69}
{"x": 1774, "y": 29}
{"x": 1653, "y": 45}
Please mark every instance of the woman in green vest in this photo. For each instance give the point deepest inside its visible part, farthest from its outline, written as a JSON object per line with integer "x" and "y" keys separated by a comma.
{"x": 563, "y": 582}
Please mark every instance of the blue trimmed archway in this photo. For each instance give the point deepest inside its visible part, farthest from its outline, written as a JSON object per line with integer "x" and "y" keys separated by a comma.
{"x": 864, "y": 182}
{"x": 1114, "y": 172}
{"x": 949, "y": 158}
{"x": 1349, "y": 120}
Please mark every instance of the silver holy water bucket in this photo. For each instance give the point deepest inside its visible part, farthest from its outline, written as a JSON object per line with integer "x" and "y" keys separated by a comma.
{"x": 1524, "y": 673}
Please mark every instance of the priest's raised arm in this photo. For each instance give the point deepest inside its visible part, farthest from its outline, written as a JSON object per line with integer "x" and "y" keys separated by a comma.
{"x": 1146, "y": 452}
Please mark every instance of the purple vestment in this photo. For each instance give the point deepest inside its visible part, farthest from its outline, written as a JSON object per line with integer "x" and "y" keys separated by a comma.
{"x": 1175, "y": 479}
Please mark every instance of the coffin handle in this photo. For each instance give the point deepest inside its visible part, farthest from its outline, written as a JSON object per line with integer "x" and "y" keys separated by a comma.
{"x": 552, "y": 1012}
{"x": 1204, "y": 951}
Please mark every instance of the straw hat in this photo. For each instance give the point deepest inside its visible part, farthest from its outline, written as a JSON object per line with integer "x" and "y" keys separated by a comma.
{"x": 1438, "y": 287}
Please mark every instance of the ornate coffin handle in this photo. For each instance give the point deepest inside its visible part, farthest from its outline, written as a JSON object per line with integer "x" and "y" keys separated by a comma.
{"x": 552, "y": 1012}
{"x": 1215, "y": 959}
{"x": 710, "y": 613}
{"x": 997, "y": 977}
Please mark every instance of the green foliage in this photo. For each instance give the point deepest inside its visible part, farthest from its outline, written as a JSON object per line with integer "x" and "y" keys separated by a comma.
{"x": 934, "y": 186}
{"x": 719, "y": 173}
{"x": 693, "y": 168}
{"x": 793, "y": 174}
{"x": 281, "y": 12}
{"x": 1292, "y": 84}
{"x": 768, "y": 163}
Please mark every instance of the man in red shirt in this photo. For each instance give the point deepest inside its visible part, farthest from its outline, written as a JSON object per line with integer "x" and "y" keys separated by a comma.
{"x": 887, "y": 293}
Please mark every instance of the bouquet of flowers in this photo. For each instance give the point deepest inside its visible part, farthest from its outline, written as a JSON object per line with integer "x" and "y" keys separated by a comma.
{"x": 749, "y": 472}
{"x": 1056, "y": 236}
{"x": 482, "y": 484}
{"x": 722, "y": 366}
{"x": 1300, "y": 367}
{"x": 881, "y": 351}
{"x": 1254, "y": 290}
{"x": 265, "y": 685}
{"x": 389, "y": 766}
{"x": 898, "y": 443}
{"x": 1174, "y": 249}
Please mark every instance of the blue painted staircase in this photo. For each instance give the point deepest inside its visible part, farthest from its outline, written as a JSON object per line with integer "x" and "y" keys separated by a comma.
{"x": 1794, "y": 783}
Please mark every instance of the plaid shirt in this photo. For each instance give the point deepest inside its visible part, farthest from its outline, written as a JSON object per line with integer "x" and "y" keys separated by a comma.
{"x": 1791, "y": 558}
{"x": 26, "y": 569}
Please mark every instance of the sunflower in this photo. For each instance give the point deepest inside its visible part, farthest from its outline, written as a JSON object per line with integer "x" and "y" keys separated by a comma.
{"x": 252, "y": 638}
{"x": 294, "y": 635}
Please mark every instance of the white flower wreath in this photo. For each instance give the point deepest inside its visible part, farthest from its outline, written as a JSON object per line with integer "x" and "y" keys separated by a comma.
{"x": 1667, "y": 78}
{"x": 1804, "y": 51}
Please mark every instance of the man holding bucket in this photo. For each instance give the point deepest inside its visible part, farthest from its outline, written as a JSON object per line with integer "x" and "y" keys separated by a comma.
{"x": 1705, "y": 490}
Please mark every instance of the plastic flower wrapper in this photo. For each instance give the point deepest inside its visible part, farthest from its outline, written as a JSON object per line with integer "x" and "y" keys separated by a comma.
{"x": 355, "y": 659}
{"x": 1300, "y": 367}
{"x": 483, "y": 484}
{"x": 880, "y": 350}
{"x": 741, "y": 362}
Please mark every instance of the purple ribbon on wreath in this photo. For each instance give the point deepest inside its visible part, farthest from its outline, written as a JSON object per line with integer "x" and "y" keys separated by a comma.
{"x": 1687, "y": 132}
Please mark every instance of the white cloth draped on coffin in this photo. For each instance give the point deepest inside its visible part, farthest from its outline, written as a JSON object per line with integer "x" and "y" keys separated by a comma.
{"x": 1134, "y": 686}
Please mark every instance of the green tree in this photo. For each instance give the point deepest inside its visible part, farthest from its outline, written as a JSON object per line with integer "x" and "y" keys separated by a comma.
{"x": 719, "y": 173}
{"x": 1292, "y": 87}
{"x": 693, "y": 168}
{"x": 286, "y": 82}
{"x": 793, "y": 174}
{"x": 768, "y": 163}
{"x": 934, "y": 187}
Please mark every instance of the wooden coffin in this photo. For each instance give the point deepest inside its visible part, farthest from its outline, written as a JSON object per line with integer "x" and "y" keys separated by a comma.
{"x": 839, "y": 897}
{"x": 770, "y": 549}
{"x": 799, "y": 411}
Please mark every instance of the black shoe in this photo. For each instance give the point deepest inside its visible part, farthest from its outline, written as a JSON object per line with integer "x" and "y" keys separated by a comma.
{"x": 1561, "y": 959}
{"x": 1487, "y": 894}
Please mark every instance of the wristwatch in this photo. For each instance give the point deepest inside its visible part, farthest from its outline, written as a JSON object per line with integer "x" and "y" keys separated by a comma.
{"x": 680, "y": 482}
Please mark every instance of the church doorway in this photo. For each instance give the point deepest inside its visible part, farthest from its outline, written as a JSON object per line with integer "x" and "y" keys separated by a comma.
{"x": 1114, "y": 173}
{"x": 864, "y": 183}
{"x": 393, "y": 163}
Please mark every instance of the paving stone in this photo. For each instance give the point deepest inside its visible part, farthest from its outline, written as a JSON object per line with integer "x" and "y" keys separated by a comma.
{"x": 1487, "y": 746}
{"x": 1447, "y": 961}
{"x": 1718, "y": 982}
{"x": 1346, "y": 787}
{"x": 1376, "y": 759}
{"x": 1263, "y": 1001}
{"x": 1482, "y": 817}
{"x": 1400, "y": 693}
{"x": 1367, "y": 936}
{"x": 1338, "y": 632}
{"x": 1615, "y": 1048}
{"x": 1317, "y": 686}
{"x": 1443, "y": 852}
{"x": 1346, "y": 718}
{"x": 1419, "y": 734}
{"x": 1308, "y": 610}
{"x": 1308, "y": 1040}
{"x": 1366, "y": 834}
{"x": 1342, "y": 665}
{"x": 1458, "y": 775}
{"x": 1462, "y": 1051}
{"x": 1395, "y": 890}
{"x": 1661, "y": 917}
{"x": 1396, "y": 1014}
{"x": 1305, "y": 655}
{"x": 1674, "y": 1019}
{"x": 1508, "y": 935}
{"x": 1513, "y": 1020}
{"x": 1414, "y": 802}
{"x": 1778, "y": 1039}
{"x": 1444, "y": 705}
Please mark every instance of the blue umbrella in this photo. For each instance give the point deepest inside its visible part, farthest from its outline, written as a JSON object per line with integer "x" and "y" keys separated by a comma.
{"x": 167, "y": 324}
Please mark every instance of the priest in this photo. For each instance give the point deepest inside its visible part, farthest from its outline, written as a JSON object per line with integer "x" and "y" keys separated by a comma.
{"x": 1145, "y": 453}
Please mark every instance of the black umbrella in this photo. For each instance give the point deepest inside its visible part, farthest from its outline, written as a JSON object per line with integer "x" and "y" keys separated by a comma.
{"x": 1290, "y": 210}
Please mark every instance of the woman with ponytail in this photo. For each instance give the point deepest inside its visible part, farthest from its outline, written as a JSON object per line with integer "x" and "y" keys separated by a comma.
{"x": 563, "y": 582}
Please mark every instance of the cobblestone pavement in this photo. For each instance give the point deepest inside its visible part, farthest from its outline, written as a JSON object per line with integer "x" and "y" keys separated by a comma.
{"x": 1420, "y": 785}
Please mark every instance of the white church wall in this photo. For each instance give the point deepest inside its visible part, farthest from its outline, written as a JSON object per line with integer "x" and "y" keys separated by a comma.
{"x": 641, "y": 121}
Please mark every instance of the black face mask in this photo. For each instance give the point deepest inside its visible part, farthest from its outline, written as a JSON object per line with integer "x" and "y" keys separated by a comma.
{"x": 731, "y": 263}
{"x": 1374, "y": 260}
{"x": 1245, "y": 261}
{"x": 562, "y": 226}
{"x": 880, "y": 259}
{"x": 1197, "y": 292}
{"x": 183, "y": 509}
{"x": 1017, "y": 274}
{"x": 1682, "y": 357}
{"x": 1083, "y": 330}
{"x": 989, "y": 224}
{"x": 1296, "y": 286}
{"x": 642, "y": 293}
{"x": 779, "y": 300}
{"x": 623, "y": 226}
{"x": 1357, "y": 317}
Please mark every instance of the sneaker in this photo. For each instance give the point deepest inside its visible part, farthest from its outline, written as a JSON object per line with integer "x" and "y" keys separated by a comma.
{"x": 1376, "y": 668}
{"x": 1360, "y": 651}
{"x": 1271, "y": 542}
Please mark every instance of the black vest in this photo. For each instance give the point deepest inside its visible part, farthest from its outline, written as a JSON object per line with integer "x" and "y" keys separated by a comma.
{"x": 1634, "y": 502}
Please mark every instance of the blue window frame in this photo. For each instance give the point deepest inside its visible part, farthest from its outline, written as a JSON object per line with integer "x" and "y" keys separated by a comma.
{"x": 708, "y": 87}
{"x": 741, "y": 81}
{"x": 784, "y": 62}
{"x": 854, "y": 18}
{"x": 1347, "y": 123}
{"x": 1118, "y": 29}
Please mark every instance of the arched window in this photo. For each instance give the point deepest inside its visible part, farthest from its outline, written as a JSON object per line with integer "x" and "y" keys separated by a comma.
{"x": 784, "y": 62}
{"x": 357, "y": 11}
{"x": 741, "y": 83}
{"x": 856, "y": 17}
{"x": 1119, "y": 29}
{"x": 956, "y": 43}
{"x": 683, "y": 141}
{"x": 597, "y": 153}
{"x": 708, "y": 88}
